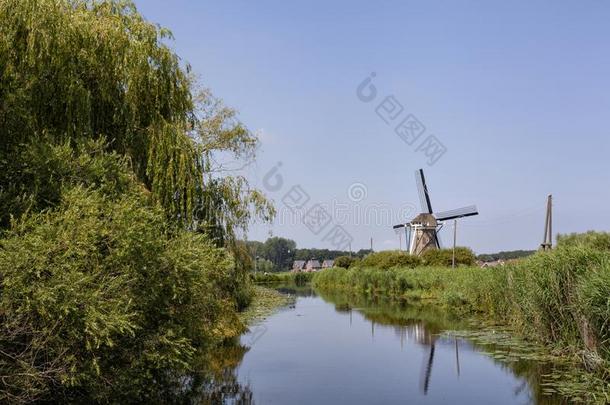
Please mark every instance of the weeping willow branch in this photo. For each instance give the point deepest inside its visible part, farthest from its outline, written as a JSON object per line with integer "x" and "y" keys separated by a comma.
{"x": 74, "y": 70}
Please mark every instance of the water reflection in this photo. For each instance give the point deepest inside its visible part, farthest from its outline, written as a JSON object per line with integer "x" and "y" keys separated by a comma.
{"x": 334, "y": 348}
{"x": 424, "y": 324}
{"x": 408, "y": 324}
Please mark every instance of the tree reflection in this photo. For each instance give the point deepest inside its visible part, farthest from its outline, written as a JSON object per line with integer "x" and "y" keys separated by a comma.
{"x": 216, "y": 380}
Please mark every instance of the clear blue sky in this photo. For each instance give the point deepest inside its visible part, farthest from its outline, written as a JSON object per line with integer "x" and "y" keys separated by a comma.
{"x": 518, "y": 93}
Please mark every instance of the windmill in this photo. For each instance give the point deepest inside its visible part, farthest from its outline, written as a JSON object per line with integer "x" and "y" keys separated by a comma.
{"x": 422, "y": 231}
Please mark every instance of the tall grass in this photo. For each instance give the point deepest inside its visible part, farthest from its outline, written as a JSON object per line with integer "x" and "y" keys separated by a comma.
{"x": 388, "y": 259}
{"x": 299, "y": 278}
{"x": 560, "y": 298}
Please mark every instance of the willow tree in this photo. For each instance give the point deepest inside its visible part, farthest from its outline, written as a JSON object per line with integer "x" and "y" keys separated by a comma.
{"x": 84, "y": 69}
{"x": 227, "y": 203}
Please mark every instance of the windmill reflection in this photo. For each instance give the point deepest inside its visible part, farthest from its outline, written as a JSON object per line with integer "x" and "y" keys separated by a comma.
{"x": 427, "y": 370}
{"x": 419, "y": 333}
{"x": 428, "y": 361}
{"x": 423, "y": 334}
{"x": 409, "y": 322}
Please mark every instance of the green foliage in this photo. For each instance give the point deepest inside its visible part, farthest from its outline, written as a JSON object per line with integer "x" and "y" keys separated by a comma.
{"x": 395, "y": 281}
{"x": 302, "y": 278}
{"x": 505, "y": 255}
{"x": 264, "y": 266}
{"x": 79, "y": 70}
{"x": 390, "y": 258}
{"x": 51, "y": 167}
{"x": 591, "y": 239}
{"x": 298, "y": 278}
{"x": 279, "y": 251}
{"x": 82, "y": 70}
{"x": 326, "y": 254}
{"x": 283, "y": 252}
{"x": 444, "y": 257}
{"x": 107, "y": 167}
{"x": 97, "y": 296}
{"x": 269, "y": 278}
{"x": 344, "y": 261}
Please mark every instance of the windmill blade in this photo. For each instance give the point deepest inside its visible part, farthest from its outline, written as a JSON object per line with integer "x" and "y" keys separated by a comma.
{"x": 457, "y": 213}
{"x": 422, "y": 188}
{"x": 437, "y": 235}
{"x": 398, "y": 226}
{"x": 439, "y": 242}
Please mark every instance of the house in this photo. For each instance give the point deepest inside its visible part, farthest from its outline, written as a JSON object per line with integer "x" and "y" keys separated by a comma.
{"x": 312, "y": 265}
{"x": 298, "y": 265}
{"x": 327, "y": 264}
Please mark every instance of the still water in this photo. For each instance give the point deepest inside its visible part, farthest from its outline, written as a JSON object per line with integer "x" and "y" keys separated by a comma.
{"x": 335, "y": 350}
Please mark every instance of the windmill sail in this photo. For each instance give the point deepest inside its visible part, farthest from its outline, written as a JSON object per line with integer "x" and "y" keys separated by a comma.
{"x": 424, "y": 196}
{"x": 457, "y": 213}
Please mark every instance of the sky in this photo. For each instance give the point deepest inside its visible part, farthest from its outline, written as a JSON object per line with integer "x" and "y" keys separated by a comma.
{"x": 516, "y": 94}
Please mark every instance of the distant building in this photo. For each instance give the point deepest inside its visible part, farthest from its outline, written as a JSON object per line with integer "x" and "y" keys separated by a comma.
{"x": 298, "y": 265}
{"x": 495, "y": 263}
{"x": 313, "y": 265}
{"x": 327, "y": 264}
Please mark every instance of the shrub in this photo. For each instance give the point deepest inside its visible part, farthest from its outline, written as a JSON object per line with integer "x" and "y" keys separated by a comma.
{"x": 444, "y": 257}
{"x": 299, "y": 278}
{"x": 390, "y": 258}
{"x": 97, "y": 298}
{"x": 344, "y": 261}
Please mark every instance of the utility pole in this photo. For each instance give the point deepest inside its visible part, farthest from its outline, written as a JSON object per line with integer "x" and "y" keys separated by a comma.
{"x": 547, "y": 243}
{"x": 454, "y": 243}
{"x": 371, "y": 245}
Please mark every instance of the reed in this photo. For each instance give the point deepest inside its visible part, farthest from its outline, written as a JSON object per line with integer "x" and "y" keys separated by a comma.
{"x": 299, "y": 278}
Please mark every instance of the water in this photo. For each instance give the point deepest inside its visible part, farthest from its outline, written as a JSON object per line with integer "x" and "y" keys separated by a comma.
{"x": 334, "y": 350}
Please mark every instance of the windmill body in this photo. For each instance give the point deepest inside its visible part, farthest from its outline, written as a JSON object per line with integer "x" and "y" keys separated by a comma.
{"x": 424, "y": 228}
{"x": 422, "y": 231}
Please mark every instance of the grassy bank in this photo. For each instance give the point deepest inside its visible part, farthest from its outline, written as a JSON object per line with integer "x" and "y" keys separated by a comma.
{"x": 560, "y": 299}
{"x": 284, "y": 277}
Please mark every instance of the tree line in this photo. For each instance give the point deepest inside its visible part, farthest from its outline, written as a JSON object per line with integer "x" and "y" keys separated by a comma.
{"x": 505, "y": 255}
{"x": 278, "y": 254}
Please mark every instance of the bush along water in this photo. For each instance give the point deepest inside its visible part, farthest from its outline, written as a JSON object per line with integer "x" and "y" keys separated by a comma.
{"x": 298, "y": 278}
{"x": 119, "y": 266}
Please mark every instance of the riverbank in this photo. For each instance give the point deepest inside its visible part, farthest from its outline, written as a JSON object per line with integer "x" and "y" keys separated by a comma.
{"x": 559, "y": 300}
{"x": 299, "y": 278}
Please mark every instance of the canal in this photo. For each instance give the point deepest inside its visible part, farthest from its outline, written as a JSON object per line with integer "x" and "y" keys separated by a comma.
{"x": 333, "y": 349}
